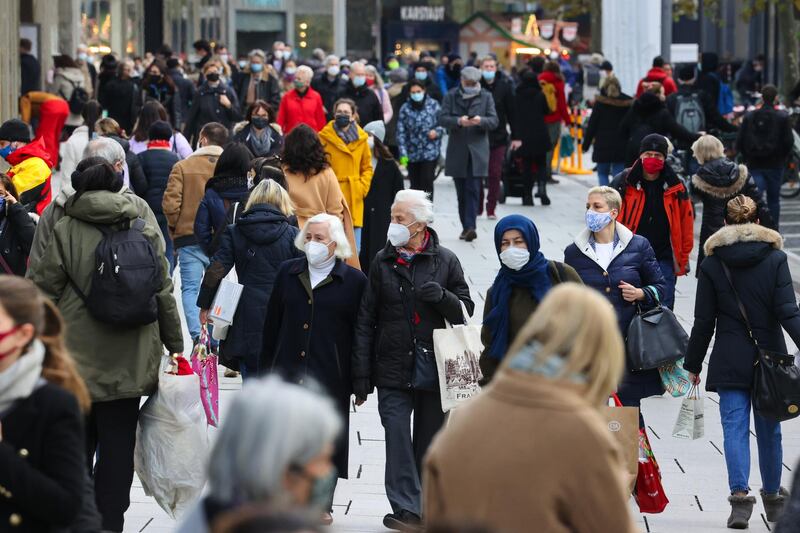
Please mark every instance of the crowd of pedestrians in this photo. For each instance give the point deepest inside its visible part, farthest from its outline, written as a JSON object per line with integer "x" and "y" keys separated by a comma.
{"x": 290, "y": 174}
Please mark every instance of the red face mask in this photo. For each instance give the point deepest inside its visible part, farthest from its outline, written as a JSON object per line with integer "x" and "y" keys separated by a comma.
{"x": 3, "y": 335}
{"x": 370, "y": 82}
{"x": 652, "y": 165}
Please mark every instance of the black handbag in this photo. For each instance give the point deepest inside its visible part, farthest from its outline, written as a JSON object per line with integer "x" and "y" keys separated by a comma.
{"x": 655, "y": 337}
{"x": 426, "y": 374}
{"x": 776, "y": 379}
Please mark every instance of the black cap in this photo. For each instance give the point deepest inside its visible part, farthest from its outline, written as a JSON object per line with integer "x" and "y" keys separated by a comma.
{"x": 606, "y": 65}
{"x": 654, "y": 143}
{"x": 686, "y": 73}
{"x": 15, "y": 130}
{"x": 160, "y": 130}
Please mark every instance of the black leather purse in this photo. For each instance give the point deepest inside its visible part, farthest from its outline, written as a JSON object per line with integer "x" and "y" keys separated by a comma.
{"x": 655, "y": 337}
{"x": 776, "y": 379}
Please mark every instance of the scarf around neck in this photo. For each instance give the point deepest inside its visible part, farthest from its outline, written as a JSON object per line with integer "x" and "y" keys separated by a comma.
{"x": 261, "y": 144}
{"x": 533, "y": 276}
{"x": 19, "y": 380}
{"x": 349, "y": 135}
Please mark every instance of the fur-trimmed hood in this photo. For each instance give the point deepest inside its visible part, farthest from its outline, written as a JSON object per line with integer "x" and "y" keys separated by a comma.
{"x": 720, "y": 178}
{"x": 743, "y": 244}
{"x": 623, "y": 100}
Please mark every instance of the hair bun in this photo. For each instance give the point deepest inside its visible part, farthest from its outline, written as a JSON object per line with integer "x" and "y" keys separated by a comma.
{"x": 741, "y": 210}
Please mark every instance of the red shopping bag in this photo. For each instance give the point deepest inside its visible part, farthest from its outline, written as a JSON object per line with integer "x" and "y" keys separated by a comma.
{"x": 204, "y": 364}
{"x": 649, "y": 492}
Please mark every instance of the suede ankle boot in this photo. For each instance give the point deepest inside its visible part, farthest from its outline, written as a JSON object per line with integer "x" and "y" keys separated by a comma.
{"x": 773, "y": 504}
{"x": 741, "y": 510}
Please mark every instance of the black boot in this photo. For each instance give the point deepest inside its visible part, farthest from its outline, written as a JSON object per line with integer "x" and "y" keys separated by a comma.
{"x": 543, "y": 192}
{"x": 741, "y": 510}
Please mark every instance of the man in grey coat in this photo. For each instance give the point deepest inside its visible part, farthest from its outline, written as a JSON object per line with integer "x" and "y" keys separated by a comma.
{"x": 469, "y": 115}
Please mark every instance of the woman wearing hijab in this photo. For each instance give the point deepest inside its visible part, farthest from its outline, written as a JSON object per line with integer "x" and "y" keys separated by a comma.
{"x": 524, "y": 278}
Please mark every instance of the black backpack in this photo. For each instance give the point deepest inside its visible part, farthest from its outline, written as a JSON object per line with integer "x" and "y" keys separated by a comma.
{"x": 689, "y": 112}
{"x": 592, "y": 75}
{"x": 126, "y": 278}
{"x": 763, "y": 136}
{"x": 77, "y": 99}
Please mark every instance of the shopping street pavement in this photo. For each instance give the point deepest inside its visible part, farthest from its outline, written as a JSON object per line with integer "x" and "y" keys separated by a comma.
{"x": 693, "y": 472}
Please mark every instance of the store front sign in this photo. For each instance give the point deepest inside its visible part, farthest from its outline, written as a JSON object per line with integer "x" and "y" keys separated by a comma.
{"x": 422, "y": 13}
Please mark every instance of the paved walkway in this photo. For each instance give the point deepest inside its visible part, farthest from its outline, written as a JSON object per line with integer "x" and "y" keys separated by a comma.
{"x": 694, "y": 472}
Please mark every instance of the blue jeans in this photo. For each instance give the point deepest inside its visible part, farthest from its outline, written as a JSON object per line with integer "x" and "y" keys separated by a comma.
{"x": 734, "y": 410}
{"x": 768, "y": 181}
{"x": 668, "y": 271}
{"x": 357, "y": 235}
{"x": 468, "y": 192}
{"x": 169, "y": 250}
{"x": 604, "y": 170}
{"x": 193, "y": 263}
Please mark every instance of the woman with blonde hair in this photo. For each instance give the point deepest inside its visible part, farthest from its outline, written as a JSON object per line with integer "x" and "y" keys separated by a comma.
{"x": 540, "y": 414}
{"x": 256, "y": 245}
{"x": 745, "y": 294}
{"x": 42, "y": 404}
{"x": 317, "y": 293}
{"x": 375, "y": 82}
{"x": 717, "y": 181}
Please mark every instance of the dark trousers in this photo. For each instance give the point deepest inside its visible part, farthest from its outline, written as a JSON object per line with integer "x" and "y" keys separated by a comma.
{"x": 531, "y": 176}
{"x": 768, "y": 181}
{"x": 111, "y": 436}
{"x": 670, "y": 279}
{"x": 496, "y": 157}
{"x": 468, "y": 193}
{"x": 404, "y": 450}
{"x": 421, "y": 174}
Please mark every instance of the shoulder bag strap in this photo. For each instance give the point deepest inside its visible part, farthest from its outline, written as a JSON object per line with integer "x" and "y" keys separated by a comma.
{"x": 739, "y": 303}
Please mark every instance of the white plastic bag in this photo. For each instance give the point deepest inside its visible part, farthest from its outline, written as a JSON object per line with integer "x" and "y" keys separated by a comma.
{"x": 690, "y": 424}
{"x": 220, "y": 330}
{"x": 457, "y": 349}
{"x": 172, "y": 444}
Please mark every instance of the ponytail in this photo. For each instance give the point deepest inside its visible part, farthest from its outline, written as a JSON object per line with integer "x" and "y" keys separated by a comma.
{"x": 58, "y": 366}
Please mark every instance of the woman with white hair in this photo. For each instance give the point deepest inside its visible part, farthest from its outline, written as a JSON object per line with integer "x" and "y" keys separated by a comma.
{"x": 256, "y": 245}
{"x": 310, "y": 324}
{"x": 415, "y": 284}
{"x": 274, "y": 448}
{"x": 717, "y": 181}
{"x": 375, "y": 82}
{"x": 301, "y": 105}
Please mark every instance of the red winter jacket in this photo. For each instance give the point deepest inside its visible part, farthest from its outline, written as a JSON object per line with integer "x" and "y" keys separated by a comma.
{"x": 677, "y": 204}
{"x": 562, "y": 111}
{"x": 296, "y": 109}
{"x": 660, "y": 75}
{"x": 30, "y": 174}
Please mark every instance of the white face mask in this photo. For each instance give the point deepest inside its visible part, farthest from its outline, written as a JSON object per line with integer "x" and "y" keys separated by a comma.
{"x": 316, "y": 253}
{"x": 398, "y": 234}
{"x": 333, "y": 70}
{"x": 515, "y": 258}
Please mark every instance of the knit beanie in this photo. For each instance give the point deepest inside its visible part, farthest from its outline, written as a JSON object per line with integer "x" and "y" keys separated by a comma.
{"x": 15, "y": 130}
{"x": 654, "y": 143}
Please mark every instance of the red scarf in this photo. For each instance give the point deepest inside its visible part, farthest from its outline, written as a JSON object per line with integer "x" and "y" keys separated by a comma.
{"x": 158, "y": 144}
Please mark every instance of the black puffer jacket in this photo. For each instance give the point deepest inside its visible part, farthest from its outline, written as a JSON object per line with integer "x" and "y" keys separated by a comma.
{"x": 391, "y": 318}
{"x": 503, "y": 94}
{"x": 156, "y": 164}
{"x": 604, "y": 129}
{"x": 647, "y": 115}
{"x": 761, "y": 275}
{"x": 715, "y": 183}
{"x": 16, "y": 236}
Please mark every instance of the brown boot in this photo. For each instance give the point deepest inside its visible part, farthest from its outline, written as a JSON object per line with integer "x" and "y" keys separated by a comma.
{"x": 741, "y": 510}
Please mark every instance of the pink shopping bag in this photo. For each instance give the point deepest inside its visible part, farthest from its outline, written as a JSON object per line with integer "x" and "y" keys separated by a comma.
{"x": 204, "y": 364}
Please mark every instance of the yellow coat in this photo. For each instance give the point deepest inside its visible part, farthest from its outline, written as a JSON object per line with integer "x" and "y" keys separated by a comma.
{"x": 352, "y": 164}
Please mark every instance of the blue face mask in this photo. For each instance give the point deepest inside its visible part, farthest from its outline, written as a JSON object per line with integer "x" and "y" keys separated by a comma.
{"x": 256, "y": 67}
{"x": 242, "y": 63}
{"x": 421, "y": 75}
{"x": 596, "y": 221}
{"x": 5, "y": 152}
{"x": 358, "y": 81}
{"x": 488, "y": 75}
{"x": 417, "y": 97}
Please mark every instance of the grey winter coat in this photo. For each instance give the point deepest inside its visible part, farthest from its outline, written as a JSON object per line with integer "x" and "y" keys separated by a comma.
{"x": 471, "y": 142}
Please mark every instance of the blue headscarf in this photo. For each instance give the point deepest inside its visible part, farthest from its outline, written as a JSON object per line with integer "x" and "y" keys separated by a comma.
{"x": 534, "y": 276}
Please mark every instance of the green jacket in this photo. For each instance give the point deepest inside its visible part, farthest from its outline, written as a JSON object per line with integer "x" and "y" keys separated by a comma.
{"x": 115, "y": 363}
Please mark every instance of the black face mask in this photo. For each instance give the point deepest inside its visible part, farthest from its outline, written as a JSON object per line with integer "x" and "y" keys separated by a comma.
{"x": 259, "y": 123}
{"x": 212, "y": 76}
{"x": 342, "y": 120}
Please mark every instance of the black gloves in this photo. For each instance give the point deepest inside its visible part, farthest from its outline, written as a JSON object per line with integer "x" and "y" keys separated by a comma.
{"x": 361, "y": 388}
{"x": 431, "y": 292}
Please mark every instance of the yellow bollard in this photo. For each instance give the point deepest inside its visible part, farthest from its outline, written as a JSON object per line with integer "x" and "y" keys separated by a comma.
{"x": 576, "y": 130}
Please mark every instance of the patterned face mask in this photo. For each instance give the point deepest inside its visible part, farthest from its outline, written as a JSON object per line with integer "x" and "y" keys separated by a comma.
{"x": 596, "y": 221}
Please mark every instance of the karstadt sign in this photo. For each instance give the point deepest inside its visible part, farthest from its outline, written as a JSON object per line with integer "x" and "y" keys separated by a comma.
{"x": 422, "y": 13}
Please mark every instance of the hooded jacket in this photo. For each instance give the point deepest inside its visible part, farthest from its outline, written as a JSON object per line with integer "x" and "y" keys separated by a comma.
{"x": 16, "y": 235}
{"x": 185, "y": 189}
{"x": 561, "y": 114}
{"x": 715, "y": 183}
{"x": 660, "y": 75}
{"x": 220, "y": 193}
{"x": 157, "y": 164}
{"x": 30, "y": 174}
{"x": 760, "y": 273}
{"x": 256, "y": 245}
{"x": 115, "y": 363}
{"x": 678, "y": 205}
{"x": 647, "y": 115}
{"x": 352, "y": 164}
{"x": 530, "y": 122}
{"x": 604, "y": 129}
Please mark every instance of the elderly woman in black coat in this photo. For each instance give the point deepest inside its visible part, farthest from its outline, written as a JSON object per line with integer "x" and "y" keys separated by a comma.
{"x": 751, "y": 255}
{"x": 256, "y": 245}
{"x": 716, "y": 182}
{"x": 310, "y": 323}
{"x": 415, "y": 284}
